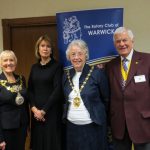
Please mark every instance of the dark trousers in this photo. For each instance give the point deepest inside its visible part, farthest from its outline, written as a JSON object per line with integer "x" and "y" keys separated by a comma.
{"x": 145, "y": 146}
{"x": 15, "y": 138}
{"x": 126, "y": 144}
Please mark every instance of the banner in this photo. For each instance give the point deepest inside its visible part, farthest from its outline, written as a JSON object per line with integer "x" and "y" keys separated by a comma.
{"x": 95, "y": 27}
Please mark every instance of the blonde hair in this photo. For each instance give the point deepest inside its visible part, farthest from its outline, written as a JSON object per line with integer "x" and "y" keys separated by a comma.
{"x": 42, "y": 38}
{"x": 7, "y": 53}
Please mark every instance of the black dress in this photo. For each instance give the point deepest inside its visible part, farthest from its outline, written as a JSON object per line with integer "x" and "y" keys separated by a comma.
{"x": 45, "y": 93}
{"x": 14, "y": 118}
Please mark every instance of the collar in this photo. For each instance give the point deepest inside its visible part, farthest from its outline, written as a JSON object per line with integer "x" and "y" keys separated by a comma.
{"x": 84, "y": 72}
{"x": 129, "y": 57}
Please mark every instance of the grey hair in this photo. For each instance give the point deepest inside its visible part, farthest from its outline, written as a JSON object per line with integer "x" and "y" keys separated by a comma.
{"x": 121, "y": 30}
{"x": 80, "y": 43}
{"x": 7, "y": 53}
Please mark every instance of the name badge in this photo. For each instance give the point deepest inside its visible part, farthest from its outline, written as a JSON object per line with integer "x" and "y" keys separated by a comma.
{"x": 140, "y": 78}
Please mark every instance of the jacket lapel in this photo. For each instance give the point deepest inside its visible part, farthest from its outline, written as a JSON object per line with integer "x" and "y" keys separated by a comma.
{"x": 136, "y": 60}
{"x": 117, "y": 71}
{"x": 72, "y": 73}
{"x": 84, "y": 74}
{"x": 3, "y": 77}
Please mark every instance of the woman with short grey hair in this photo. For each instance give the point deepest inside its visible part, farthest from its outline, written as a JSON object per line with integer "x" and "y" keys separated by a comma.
{"x": 86, "y": 96}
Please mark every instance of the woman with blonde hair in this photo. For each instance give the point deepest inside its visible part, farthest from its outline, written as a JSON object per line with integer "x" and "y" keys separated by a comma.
{"x": 13, "y": 104}
{"x": 44, "y": 88}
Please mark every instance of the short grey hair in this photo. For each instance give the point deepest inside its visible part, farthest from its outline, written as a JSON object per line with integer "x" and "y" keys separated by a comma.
{"x": 80, "y": 43}
{"x": 121, "y": 30}
{"x": 7, "y": 53}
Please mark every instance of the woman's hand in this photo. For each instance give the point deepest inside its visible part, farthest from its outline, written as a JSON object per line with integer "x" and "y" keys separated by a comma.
{"x": 2, "y": 145}
{"x": 38, "y": 114}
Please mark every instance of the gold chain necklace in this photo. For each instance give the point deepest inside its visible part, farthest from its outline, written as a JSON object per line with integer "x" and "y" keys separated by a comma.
{"x": 76, "y": 100}
{"x": 14, "y": 89}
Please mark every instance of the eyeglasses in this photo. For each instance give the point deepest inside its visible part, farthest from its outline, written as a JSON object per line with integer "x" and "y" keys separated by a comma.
{"x": 77, "y": 54}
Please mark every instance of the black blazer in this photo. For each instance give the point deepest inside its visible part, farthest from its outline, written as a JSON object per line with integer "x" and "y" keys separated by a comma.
{"x": 12, "y": 116}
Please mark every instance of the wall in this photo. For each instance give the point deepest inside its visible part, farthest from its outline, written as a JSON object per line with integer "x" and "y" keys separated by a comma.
{"x": 136, "y": 13}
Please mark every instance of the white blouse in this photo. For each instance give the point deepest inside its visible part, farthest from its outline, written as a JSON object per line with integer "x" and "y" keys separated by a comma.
{"x": 77, "y": 115}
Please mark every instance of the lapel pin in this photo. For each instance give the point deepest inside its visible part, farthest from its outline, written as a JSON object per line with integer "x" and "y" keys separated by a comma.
{"x": 136, "y": 62}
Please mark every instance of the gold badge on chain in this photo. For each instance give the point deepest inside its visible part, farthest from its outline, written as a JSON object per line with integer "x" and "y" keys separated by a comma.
{"x": 76, "y": 102}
